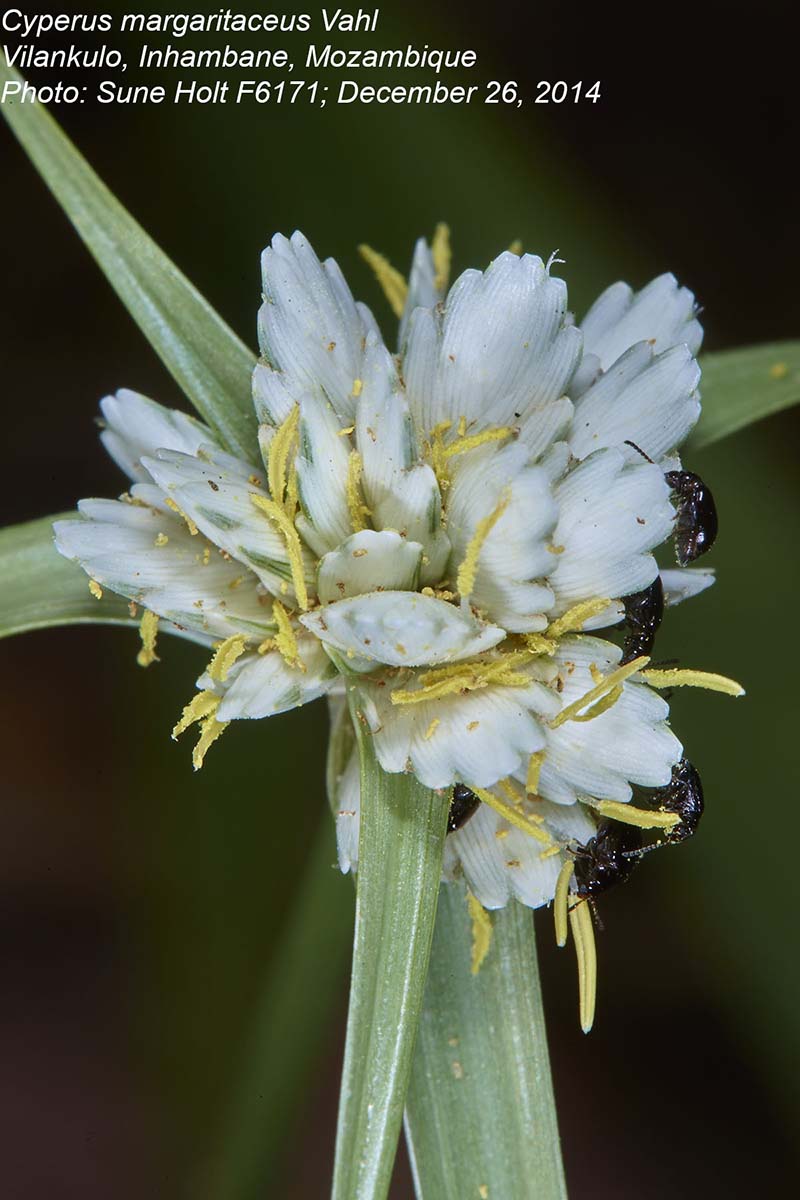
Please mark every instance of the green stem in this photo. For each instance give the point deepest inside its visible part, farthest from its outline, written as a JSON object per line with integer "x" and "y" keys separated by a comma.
{"x": 481, "y": 1117}
{"x": 400, "y": 861}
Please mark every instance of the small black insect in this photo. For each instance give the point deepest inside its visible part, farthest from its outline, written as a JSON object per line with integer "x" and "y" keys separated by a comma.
{"x": 683, "y": 795}
{"x": 644, "y": 612}
{"x": 463, "y": 805}
{"x": 697, "y": 523}
{"x": 607, "y": 859}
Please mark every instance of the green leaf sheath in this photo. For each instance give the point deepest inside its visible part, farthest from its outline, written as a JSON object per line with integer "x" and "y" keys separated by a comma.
{"x": 480, "y": 1113}
{"x": 400, "y": 862}
{"x": 291, "y": 1025}
{"x": 40, "y": 588}
{"x": 207, "y": 360}
{"x": 743, "y": 386}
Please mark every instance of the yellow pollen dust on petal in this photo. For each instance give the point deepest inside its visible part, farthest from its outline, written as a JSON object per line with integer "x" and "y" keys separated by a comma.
{"x": 355, "y": 501}
{"x": 561, "y": 902}
{"x": 513, "y": 815}
{"x": 148, "y": 632}
{"x": 627, "y": 814}
{"x": 358, "y": 387}
{"x": 285, "y": 640}
{"x": 203, "y": 705}
{"x": 161, "y": 539}
{"x": 442, "y": 256}
{"x": 575, "y": 618}
{"x": 393, "y": 284}
{"x": 281, "y": 447}
{"x": 294, "y": 550}
{"x": 580, "y": 919}
{"x": 465, "y": 580}
{"x": 599, "y": 692}
{"x": 226, "y": 655}
{"x": 348, "y": 429}
{"x": 95, "y": 589}
{"x": 431, "y": 730}
{"x": 698, "y": 679}
{"x": 190, "y": 525}
{"x": 535, "y": 764}
{"x": 481, "y": 931}
{"x": 210, "y": 730}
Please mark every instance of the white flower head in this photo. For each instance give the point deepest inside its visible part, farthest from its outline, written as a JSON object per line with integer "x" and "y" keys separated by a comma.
{"x": 444, "y": 530}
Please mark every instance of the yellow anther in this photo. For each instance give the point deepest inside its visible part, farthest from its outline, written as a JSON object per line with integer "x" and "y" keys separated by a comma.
{"x": 210, "y": 730}
{"x": 462, "y": 426}
{"x": 269, "y": 643}
{"x": 481, "y": 931}
{"x": 465, "y": 580}
{"x": 561, "y": 901}
{"x": 161, "y": 539}
{"x": 576, "y": 617}
{"x": 516, "y": 246}
{"x": 600, "y": 706}
{"x": 190, "y": 525}
{"x": 226, "y": 655}
{"x": 285, "y": 639}
{"x": 291, "y": 499}
{"x": 645, "y": 818}
{"x": 511, "y": 793}
{"x": 580, "y": 919}
{"x": 95, "y": 589}
{"x": 148, "y": 632}
{"x": 355, "y": 501}
{"x": 461, "y": 444}
{"x": 442, "y": 256}
{"x": 466, "y": 677}
{"x": 358, "y": 387}
{"x": 599, "y": 691}
{"x": 535, "y": 764}
{"x": 203, "y": 705}
{"x": 393, "y": 284}
{"x": 281, "y": 448}
{"x": 294, "y": 550}
{"x": 514, "y": 816}
{"x": 537, "y": 643}
{"x": 348, "y": 429}
{"x": 431, "y": 730}
{"x": 698, "y": 679}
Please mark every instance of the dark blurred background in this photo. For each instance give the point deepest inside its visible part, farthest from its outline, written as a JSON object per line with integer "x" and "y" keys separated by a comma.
{"x": 141, "y": 906}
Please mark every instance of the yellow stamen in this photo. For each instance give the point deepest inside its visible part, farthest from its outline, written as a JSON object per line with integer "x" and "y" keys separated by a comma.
{"x": 348, "y": 429}
{"x": 355, "y": 502}
{"x": 268, "y": 644}
{"x": 285, "y": 639}
{"x": 148, "y": 632}
{"x": 95, "y": 589}
{"x": 514, "y": 816}
{"x": 580, "y": 919}
{"x": 575, "y": 618}
{"x": 510, "y": 792}
{"x": 203, "y": 705}
{"x": 645, "y": 818}
{"x": 698, "y": 679}
{"x": 226, "y": 655}
{"x": 210, "y": 730}
{"x": 466, "y": 677}
{"x": 294, "y": 550}
{"x": 599, "y": 691}
{"x": 516, "y": 246}
{"x": 481, "y": 931}
{"x": 601, "y": 706}
{"x": 537, "y": 643}
{"x": 280, "y": 448}
{"x": 465, "y": 580}
{"x": 429, "y": 732}
{"x": 170, "y": 503}
{"x": 393, "y": 284}
{"x": 561, "y": 900}
{"x": 535, "y": 764}
{"x": 462, "y": 445}
{"x": 442, "y": 256}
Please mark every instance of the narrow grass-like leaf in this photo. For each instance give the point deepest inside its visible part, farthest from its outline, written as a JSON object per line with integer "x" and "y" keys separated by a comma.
{"x": 291, "y": 1024}
{"x": 40, "y": 588}
{"x": 481, "y": 1117}
{"x": 208, "y": 361}
{"x": 743, "y": 386}
{"x": 400, "y": 863}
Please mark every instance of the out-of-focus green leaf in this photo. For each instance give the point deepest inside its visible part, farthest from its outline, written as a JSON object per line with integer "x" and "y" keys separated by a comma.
{"x": 205, "y": 357}
{"x": 480, "y": 1111}
{"x": 41, "y": 588}
{"x": 400, "y": 863}
{"x": 742, "y": 386}
{"x": 290, "y": 1026}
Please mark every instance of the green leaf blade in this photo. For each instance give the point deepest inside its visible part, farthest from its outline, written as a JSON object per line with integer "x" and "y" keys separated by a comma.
{"x": 207, "y": 360}
{"x": 480, "y": 1116}
{"x": 400, "y": 862}
{"x": 743, "y": 386}
{"x": 41, "y": 588}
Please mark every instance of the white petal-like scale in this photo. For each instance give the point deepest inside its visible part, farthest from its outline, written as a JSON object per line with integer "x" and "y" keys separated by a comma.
{"x": 261, "y": 685}
{"x": 610, "y": 517}
{"x": 366, "y": 562}
{"x": 136, "y": 426}
{"x": 681, "y": 583}
{"x": 661, "y": 313}
{"x": 401, "y": 629}
{"x": 322, "y": 470}
{"x": 422, "y": 290}
{"x": 646, "y": 399}
{"x": 348, "y": 810}
{"x": 148, "y": 555}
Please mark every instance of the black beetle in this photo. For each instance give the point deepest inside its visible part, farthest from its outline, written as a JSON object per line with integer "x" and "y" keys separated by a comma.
{"x": 607, "y": 859}
{"x": 463, "y": 805}
{"x": 697, "y": 523}
{"x": 644, "y": 612}
{"x": 682, "y": 795}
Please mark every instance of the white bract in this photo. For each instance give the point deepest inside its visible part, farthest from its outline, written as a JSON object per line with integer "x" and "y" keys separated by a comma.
{"x": 435, "y": 531}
